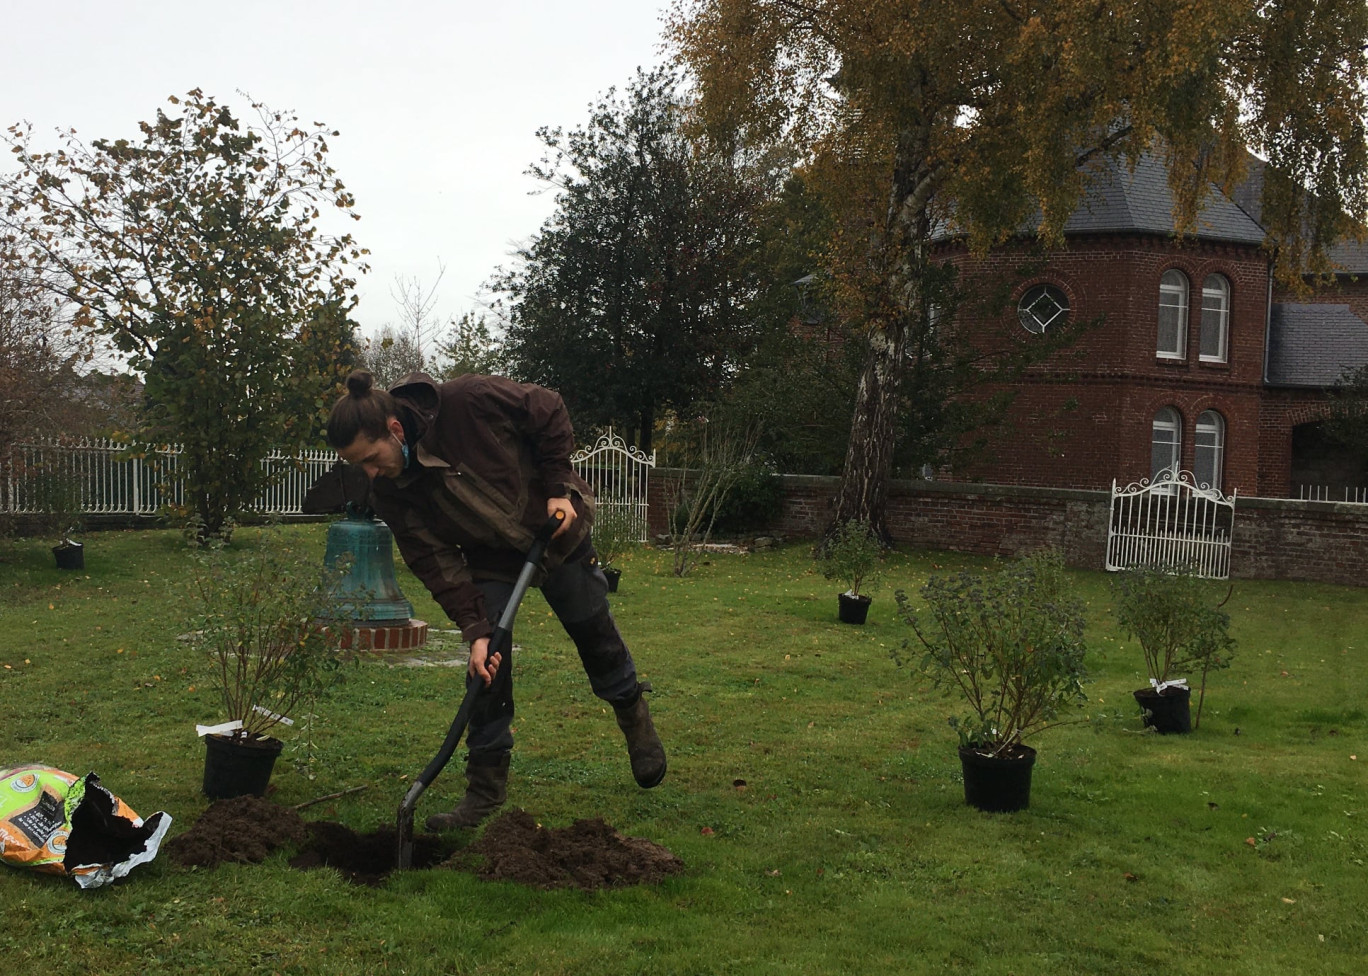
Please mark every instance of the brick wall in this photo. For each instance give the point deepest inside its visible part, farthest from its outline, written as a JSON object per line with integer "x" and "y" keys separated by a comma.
{"x": 1274, "y": 538}
{"x": 1085, "y": 415}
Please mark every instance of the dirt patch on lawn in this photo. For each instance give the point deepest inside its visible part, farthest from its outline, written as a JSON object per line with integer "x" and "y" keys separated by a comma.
{"x": 245, "y": 830}
{"x": 589, "y": 854}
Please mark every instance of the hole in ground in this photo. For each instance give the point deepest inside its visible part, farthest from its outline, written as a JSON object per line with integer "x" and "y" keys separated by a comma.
{"x": 365, "y": 859}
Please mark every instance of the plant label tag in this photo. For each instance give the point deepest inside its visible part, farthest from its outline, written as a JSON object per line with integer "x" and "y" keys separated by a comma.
{"x": 273, "y": 716}
{"x": 233, "y": 726}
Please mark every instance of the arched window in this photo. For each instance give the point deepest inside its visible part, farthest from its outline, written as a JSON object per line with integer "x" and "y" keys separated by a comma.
{"x": 1166, "y": 442}
{"x": 1042, "y": 307}
{"x": 1215, "y": 318}
{"x": 1173, "y": 314}
{"x": 1209, "y": 449}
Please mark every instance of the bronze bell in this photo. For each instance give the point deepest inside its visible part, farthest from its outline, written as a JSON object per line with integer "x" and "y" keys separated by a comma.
{"x": 368, "y": 593}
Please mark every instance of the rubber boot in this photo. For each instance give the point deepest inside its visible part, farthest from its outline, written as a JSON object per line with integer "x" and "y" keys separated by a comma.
{"x": 643, "y": 745}
{"x": 486, "y": 790}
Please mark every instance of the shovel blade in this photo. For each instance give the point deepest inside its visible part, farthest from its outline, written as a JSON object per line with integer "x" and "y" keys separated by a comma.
{"x": 403, "y": 854}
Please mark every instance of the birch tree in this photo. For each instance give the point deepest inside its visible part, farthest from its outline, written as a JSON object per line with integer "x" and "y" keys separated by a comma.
{"x": 985, "y": 114}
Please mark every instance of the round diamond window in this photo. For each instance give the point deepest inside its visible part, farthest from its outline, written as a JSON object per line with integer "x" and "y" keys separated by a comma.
{"x": 1042, "y": 307}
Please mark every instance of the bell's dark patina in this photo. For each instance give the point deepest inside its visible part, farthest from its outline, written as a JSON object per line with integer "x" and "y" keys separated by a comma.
{"x": 369, "y": 592}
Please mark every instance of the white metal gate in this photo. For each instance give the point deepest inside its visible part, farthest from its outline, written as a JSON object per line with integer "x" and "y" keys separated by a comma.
{"x": 619, "y": 476}
{"x": 1172, "y": 523}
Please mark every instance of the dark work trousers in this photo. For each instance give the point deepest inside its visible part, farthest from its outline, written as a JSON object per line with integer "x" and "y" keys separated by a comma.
{"x": 578, "y": 595}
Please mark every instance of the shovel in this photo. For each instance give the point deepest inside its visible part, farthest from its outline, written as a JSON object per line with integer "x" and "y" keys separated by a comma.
{"x": 498, "y": 643}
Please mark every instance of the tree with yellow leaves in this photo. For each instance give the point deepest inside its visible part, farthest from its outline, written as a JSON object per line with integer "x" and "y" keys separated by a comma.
{"x": 982, "y": 115}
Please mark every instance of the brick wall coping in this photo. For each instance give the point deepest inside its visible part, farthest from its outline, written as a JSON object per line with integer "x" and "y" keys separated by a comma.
{"x": 973, "y": 489}
{"x": 917, "y": 486}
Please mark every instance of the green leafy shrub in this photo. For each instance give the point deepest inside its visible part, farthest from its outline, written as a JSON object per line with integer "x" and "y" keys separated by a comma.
{"x": 1009, "y": 642}
{"x": 264, "y": 621}
{"x": 1179, "y": 626}
{"x": 57, "y": 495}
{"x": 852, "y": 554}
{"x": 614, "y": 533}
{"x": 755, "y": 502}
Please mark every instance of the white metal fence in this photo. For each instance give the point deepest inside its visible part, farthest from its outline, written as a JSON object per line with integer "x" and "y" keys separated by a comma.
{"x": 619, "y": 476}
{"x": 1325, "y": 493}
{"x": 1172, "y": 523}
{"x": 102, "y": 477}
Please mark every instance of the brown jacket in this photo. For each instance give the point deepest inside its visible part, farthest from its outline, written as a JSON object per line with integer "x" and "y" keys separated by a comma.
{"x": 487, "y": 454}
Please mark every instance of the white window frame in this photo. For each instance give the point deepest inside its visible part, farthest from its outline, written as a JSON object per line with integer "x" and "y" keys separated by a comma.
{"x": 1209, "y": 440}
{"x": 1215, "y": 318}
{"x": 1173, "y": 294}
{"x": 1168, "y": 421}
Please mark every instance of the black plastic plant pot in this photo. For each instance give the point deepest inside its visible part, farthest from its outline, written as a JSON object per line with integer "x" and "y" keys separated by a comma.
{"x": 1168, "y": 712}
{"x": 238, "y": 767}
{"x": 70, "y": 555}
{"x": 997, "y": 784}
{"x": 854, "y": 609}
{"x": 613, "y": 576}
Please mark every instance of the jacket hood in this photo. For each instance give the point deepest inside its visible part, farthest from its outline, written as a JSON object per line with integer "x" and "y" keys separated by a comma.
{"x": 418, "y": 392}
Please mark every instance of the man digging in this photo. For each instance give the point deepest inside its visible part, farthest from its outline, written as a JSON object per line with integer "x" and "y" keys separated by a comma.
{"x": 464, "y": 473}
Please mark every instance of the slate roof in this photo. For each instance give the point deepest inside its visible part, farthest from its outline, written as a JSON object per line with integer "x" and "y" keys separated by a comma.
{"x": 1347, "y": 257}
{"x": 1120, "y": 199}
{"x": 1313, "y": 345}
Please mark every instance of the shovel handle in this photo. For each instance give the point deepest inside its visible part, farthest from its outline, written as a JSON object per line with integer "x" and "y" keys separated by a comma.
{"x": 453, "y": 738}
{"x": 540, "y": 541}
{"x": 474, "y": 683}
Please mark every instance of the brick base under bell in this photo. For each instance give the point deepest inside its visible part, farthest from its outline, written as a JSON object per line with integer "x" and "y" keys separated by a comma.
{"x": 386, "y": 637}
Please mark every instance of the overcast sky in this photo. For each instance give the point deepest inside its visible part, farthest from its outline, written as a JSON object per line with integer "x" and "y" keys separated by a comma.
{"x": 437, "y": 102}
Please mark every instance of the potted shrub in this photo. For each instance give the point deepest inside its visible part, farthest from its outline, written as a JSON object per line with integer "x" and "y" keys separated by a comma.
{"x": 1010, "y": 643}
{"x": 614, "y": 534}
{"x": 261, "y": 622}
{"x": 852, "y": 554}
{"x": 1181, "y": 632}
{"x": 57, "y": 495}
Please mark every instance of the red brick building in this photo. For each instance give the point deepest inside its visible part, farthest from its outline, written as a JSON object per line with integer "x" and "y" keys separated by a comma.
{"x": 1195, "y": 358}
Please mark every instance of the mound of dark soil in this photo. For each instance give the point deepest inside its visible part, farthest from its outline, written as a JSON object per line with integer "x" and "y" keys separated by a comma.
{"x": 364, "y": 858}
{"x": 244, "y": 829}
{"x": 588, "y": 854}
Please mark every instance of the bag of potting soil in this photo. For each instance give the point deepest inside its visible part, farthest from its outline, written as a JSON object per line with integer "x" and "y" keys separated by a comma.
{"x": 58, "y": 823}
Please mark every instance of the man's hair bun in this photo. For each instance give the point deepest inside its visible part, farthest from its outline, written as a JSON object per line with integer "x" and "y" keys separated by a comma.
{"x": 363, "y": 409}
{"x": 359, "y": 383}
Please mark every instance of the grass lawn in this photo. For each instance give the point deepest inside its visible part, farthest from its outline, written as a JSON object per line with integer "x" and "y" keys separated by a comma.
{"x": 814, "y": 792}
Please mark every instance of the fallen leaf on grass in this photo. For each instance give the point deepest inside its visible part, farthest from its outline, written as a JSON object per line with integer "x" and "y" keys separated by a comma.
{"x": 706, "y": 831}
{"x": 1289, "y": 901}
{"x": 1251, "y": 841}
{"x": 1130, "y": 877}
